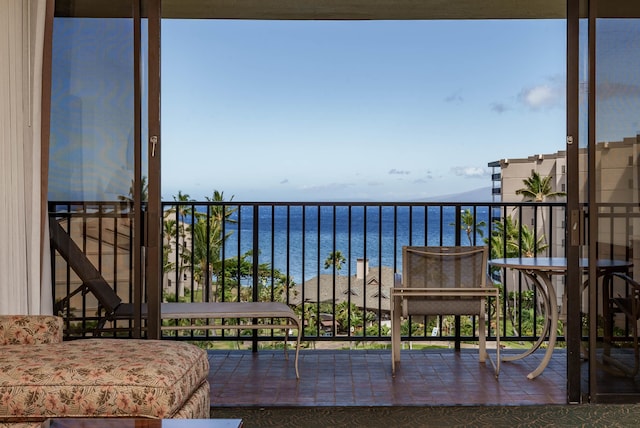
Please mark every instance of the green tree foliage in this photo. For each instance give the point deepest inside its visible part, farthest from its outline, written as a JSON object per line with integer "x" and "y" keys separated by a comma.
{"x": 538, "y": 188}
{"x": 208, "y": 238}
{"x": 372, "y": 330}
{"x": 169, "y": 233}
{"x": 335, "y": 259}
{"x": 347, "y": 316}
{"x": 509, "y": 239}
{"x": 310, "y": 314}
{"x": 417, "y": 328}
{"x": 272, "y": 284}
{"x": 469, "y": 226}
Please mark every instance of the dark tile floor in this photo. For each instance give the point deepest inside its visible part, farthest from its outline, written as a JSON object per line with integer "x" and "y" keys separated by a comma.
{"x": 363, "y": 378}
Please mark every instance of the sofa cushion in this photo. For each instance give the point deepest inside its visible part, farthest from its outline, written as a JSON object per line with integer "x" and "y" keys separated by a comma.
{"x": 99, "y": 378}
{"x": 30, "y": 329}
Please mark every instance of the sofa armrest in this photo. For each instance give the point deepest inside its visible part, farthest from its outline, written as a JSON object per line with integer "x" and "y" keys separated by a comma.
{"x": 30, "y": 329}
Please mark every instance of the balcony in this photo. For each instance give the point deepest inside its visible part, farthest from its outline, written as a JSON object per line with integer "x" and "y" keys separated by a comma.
{"x": 334, "y": 264}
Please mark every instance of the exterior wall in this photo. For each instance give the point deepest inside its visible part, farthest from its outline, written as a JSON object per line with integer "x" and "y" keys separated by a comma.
{"x": 514, "y": 171}
{"x": 512, "y": 174}
{"x": 616, "y": 171}
{"x": 617, "y": 182}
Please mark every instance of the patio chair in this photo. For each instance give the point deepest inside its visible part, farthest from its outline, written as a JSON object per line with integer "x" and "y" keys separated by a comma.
{"x": 111, "y": 308}
{"x": 443, "y": 281}
{"x": 628, "y": 305}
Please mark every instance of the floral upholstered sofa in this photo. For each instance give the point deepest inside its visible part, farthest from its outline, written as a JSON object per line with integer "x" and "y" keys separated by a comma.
{"x": 43, "y": 377}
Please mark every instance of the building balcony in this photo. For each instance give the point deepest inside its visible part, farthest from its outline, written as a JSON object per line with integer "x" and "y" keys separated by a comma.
{"x": 334, "y": 264}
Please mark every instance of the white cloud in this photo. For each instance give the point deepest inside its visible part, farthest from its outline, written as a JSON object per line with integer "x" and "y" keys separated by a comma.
{"x": 545, "y": 95}
{"x": 470, "y": 172}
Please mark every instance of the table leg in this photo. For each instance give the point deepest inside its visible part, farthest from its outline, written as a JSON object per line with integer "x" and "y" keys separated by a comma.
{"x": 607, "y": 315}
{"x": 542, "y": 282}
{"x": 552, "y": 305}
{"x": 396, "y": 309}
{"x": 545, "y": 331}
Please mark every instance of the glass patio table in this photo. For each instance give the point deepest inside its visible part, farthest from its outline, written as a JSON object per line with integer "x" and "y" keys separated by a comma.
{"x": 540, "y": 270}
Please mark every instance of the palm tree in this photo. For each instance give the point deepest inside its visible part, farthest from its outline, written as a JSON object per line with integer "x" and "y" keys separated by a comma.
{"x": 529, "y": 245}
{"x": 504, "y": 238}
{"x": 208, "y": 238}
{"x": 220, "y": 212}
{"x": 469, "y": 225}
{"x": 182, "y": 211}
{"x": 335, "y": 259}
{"x": 538, "y": 188}
{"x": 310, "y": 318}
{"x": 168, "y": 233}
{"x": 509, "y": 239}
{"x": 144, "y": 195}
{"x": 343, "y": 316}
{"x": 207, "y": 245}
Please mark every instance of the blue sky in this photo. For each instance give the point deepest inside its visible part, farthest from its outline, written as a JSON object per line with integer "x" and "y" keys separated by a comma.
{"x": 355, "y": 110}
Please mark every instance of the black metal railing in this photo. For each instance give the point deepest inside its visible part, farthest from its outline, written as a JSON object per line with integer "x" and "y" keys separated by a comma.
{"x": 332, "y": 262}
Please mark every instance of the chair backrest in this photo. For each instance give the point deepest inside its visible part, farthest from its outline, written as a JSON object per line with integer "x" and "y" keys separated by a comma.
{"x": 108, "y": 298}
{"x": 443, "y": 267}
{"x": 82, "y": 266}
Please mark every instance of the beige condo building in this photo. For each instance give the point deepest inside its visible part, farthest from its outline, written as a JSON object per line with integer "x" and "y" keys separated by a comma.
{"x": 616, "y": 163}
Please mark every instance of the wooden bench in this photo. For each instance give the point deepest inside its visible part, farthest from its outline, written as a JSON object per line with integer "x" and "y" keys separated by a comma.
{"x": 251, "y": 311}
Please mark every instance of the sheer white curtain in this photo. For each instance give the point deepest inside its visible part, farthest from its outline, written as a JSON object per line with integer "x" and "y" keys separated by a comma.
{"x": 24, "y": 255}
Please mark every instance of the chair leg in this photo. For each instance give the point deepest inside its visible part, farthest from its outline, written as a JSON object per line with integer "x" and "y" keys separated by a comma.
{"x": 635, "y": 305}
{"x": 636, "y": 351}
{"x": 497, "y": 363}
{"x": 482, "y": 338}
{"x": 395, "y": 333}
{"x": 482, "y": 335}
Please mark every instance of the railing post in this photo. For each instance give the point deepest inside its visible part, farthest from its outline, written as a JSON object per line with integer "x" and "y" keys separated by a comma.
{"x": 458, "y": 226}
{"x": 255, "y": 260}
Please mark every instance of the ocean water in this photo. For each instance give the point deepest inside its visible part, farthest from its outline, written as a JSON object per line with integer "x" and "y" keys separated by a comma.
{"x": 297, "y": 240}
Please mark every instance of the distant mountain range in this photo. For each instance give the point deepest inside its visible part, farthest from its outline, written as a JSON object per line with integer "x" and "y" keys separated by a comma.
{"x": 477, "y": 195}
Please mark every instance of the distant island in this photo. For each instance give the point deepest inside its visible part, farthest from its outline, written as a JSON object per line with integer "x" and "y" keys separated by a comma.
{"x": 477, "y": 195}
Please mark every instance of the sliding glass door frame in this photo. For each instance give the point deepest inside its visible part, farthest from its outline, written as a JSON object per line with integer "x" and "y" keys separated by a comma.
{"x": 573, "y": 333}
{"x": 153, "y": 244}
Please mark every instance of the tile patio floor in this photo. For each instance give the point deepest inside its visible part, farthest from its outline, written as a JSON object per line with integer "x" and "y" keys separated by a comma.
{"x": 363, "y": 378}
